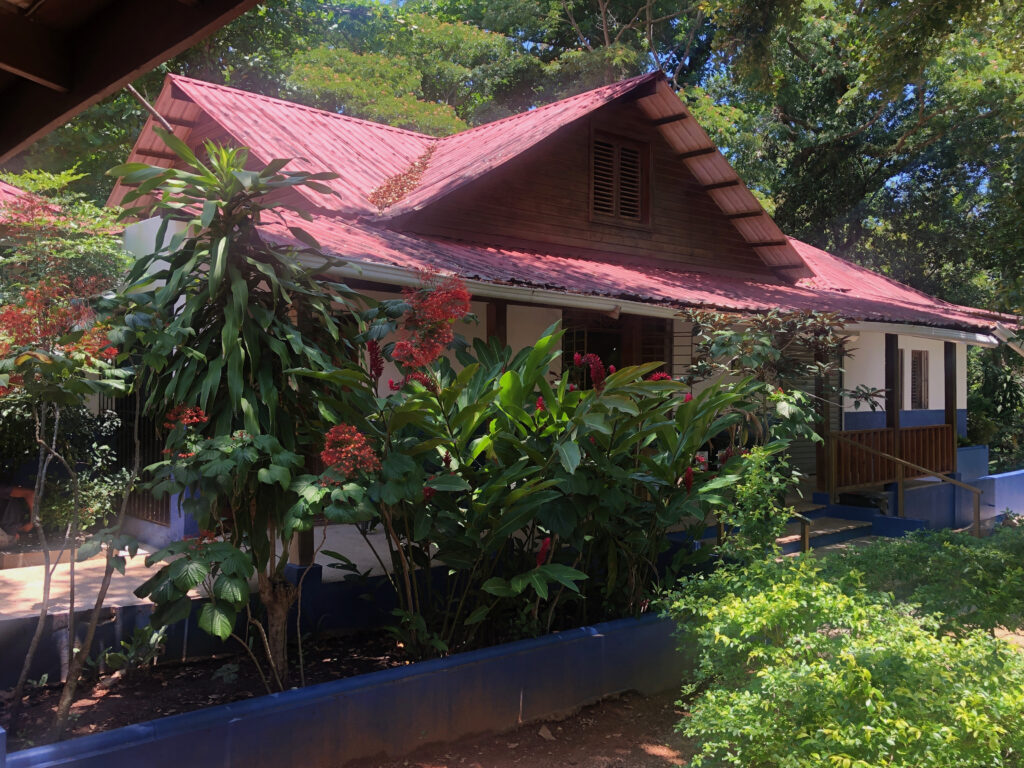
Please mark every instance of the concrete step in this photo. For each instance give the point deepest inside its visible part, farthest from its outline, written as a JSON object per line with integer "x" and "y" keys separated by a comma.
{"x": 824, "y": 531}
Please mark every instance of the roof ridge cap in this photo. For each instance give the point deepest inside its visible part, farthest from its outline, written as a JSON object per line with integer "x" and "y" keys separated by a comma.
{"x": 635, "y": 80}
{"x": 296, "y": 105}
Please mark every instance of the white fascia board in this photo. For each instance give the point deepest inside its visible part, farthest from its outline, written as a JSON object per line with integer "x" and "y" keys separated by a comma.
{"x": 390, "y": 275}
{"x": 926, "y": 332}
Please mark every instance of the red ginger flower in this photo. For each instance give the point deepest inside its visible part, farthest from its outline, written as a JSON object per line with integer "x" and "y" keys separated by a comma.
{"x": 597, "y": 371}
{"x": 542, "y": 553}
{"x": 375, "y": 359}
{"x": 540, "y": 404}
{"x": 659, "y": 376}
{"x": 687, "y": 397}
{"x": 346, "y": 451}
{"x": 688, "y": 479}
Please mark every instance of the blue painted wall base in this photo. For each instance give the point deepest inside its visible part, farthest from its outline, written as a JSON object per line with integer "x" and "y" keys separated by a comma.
{"x": 397, "y": 710}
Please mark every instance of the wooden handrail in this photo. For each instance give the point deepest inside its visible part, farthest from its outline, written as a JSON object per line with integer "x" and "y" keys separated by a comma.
{"x": 918, "y": 468}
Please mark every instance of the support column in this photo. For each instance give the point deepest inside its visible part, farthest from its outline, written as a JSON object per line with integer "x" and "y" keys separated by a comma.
{"x": 301, "y": 549}
{"x": 892, "y": 408}
{"x": 497, "y": 320}
{"x": 892, "y": 383}
{"x": 949, "y": 363}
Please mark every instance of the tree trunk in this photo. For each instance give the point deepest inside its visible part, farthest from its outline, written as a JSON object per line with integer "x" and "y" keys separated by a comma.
{"x": 45, "y": 455}
{"x": 277, "y": 597}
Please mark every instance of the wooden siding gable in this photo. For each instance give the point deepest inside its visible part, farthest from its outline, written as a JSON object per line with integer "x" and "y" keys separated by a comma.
{"x": 543, "y": 200}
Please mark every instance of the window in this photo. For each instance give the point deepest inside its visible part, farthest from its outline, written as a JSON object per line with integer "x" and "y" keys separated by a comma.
{"x": 918, "y": 379}
{"x": 619, "y": 180}
{"x": 626, "y": 340}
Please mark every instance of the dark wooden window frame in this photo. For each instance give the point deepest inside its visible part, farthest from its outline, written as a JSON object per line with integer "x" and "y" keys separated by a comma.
{"x": 644, "y": 187}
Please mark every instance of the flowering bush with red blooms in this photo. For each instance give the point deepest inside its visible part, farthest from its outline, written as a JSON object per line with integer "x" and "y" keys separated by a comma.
{"x": 50, "y": 321}
{"x": 432, "y": 311}
{"x": 183, "y": 416}
{"x": 346, "y": 452}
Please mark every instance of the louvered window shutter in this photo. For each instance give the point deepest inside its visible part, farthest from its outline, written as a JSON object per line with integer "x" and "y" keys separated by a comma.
{"x": 630, "y": 188}
{"x": 604, "y": 178}
{"x": 618, "y": 178}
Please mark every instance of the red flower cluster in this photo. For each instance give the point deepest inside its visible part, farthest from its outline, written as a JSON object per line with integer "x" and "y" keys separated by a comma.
{"x": 688, "y": 479}
{"x": 45, "y": 314}
{"x": 432, "y": 310}
{"x": 540, "y": 404}
{"x": 346, "y": 451}
{"x": 687, "y": 397}
{"x": 428, "y": 493}
{"x": 542, "y": 553}
{"x": 659, "y": 376}
{"x": 184, "y": 416}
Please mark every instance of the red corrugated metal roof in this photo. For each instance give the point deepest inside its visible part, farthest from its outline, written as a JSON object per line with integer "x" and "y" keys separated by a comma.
{"x": 363, "y": 154}
{"x": 366, "y": 154}
{"x": 646, "y": 280}
{"x": 462, "y": 157}
{"x": 9, "y": 193}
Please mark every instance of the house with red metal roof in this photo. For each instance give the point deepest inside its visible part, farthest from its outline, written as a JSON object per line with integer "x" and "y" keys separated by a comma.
{"x": 611, "y": 212}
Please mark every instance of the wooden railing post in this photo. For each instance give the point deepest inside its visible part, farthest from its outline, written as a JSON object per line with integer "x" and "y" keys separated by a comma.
{"x": 900, "y": 489}
{"x": 977, "y": 515}
{"x": 833, "y": 468}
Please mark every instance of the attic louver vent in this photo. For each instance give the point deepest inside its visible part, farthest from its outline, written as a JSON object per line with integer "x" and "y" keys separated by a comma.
{"x": 617, "y": 180}
{"x": 604, "y": 178}
{"x": 630, "y": 192}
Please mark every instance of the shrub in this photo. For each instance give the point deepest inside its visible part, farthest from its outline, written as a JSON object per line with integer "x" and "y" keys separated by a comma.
{"x": 968, "y": 583}
{"x": 796, "y": 671}
{"x": 546, "y": 504}
{"x": 756, "y": 516}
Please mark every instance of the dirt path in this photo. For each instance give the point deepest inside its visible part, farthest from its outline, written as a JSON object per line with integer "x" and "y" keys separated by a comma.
{"x": 627, "y": 732}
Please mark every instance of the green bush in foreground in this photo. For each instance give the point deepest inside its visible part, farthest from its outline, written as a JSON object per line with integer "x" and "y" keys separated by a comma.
{"x": 968, "y": 583}
{"x": 794, "y": 671}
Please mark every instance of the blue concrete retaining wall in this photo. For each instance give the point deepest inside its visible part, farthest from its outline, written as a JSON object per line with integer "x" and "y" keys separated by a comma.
{"x": 393, "y": 711}
{"x": 1000, "y": 493}
{"x": 972, "y": 461}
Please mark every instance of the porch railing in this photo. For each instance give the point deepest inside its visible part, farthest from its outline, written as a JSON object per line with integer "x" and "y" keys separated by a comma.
{"x": 840, "y": 442}
{"x": 865, "y": 457}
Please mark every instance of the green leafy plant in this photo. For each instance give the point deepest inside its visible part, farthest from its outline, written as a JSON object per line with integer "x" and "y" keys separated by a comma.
{"x": 756, "y": 514}
{"x": 523, "y": 487}
{"x": 799, "y": 671}
{"x": 220, "y": 319}
{"x": 965, "y": 582}
{"x": 137, "y": 653}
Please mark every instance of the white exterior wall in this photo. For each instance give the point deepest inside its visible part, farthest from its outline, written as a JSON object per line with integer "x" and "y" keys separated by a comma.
{"x": 866, "y": 366}
{"x": 140, "y": 237}
{"x": 524, "y": 325}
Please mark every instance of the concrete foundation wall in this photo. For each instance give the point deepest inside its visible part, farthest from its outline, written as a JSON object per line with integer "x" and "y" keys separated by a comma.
{"x": 394, "y": 711}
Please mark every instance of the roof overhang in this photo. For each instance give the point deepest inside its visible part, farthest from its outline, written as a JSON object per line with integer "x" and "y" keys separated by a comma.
{"x": 720, "y": 181}
{"x": 58, "y": 57}
{"x": 398, "y": 276}
{"x": 971, "y": 338}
